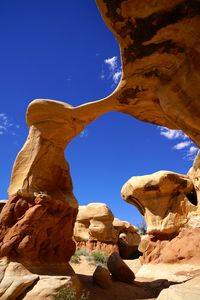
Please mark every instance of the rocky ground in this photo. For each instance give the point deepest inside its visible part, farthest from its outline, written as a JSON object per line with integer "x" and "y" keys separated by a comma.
{"x": 174, "y": 280}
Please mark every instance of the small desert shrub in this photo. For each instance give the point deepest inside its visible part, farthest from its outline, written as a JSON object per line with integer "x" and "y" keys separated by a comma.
{"x": 97, "y": 257}
{"x": 83, "y": 252}
{"x": 142, "y": 228}
{"x": 70, "y": 294}
{"x": 76, "y": 258}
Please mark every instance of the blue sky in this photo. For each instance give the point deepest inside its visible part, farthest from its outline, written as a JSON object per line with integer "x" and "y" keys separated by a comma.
{"x": 62, "y": 50}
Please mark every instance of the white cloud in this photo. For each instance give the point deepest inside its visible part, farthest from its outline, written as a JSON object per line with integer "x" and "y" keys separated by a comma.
{"x": 111, "y": 62}
{"x": 83, "y": 133}
{"x": 172, "y": 134}
{"x": 113, "y": 71}
{"x": 6, "y": 126}
{"x": 117, "y": 76}
{"x": 192, "y": 150}
{"x": 182, "y": 145}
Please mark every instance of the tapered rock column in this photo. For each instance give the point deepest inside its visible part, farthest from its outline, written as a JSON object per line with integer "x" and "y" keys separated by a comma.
{"x": 37, "y": 221}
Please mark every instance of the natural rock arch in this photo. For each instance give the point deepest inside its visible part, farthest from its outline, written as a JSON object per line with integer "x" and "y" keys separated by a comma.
{"x": 160, "y": 80}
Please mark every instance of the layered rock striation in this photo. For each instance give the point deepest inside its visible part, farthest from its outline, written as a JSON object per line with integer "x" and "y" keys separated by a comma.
{"x": 164, "y": 198}
{"x": 96, "y": 228}
{"x": 36, "y": 224}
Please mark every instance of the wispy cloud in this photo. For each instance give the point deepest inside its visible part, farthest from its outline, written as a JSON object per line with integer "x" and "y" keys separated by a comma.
{"x": 184, "y": 143}
{"x": 111, "y": 70}
{"x": 6, "y": 126}
{"x": 193, "y": 150}
{"x": 84, "y": 133}
{"x": 172, "y": 134}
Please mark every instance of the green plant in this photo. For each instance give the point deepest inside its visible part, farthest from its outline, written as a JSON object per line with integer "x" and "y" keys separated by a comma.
{"x": 83, "y": 252}
{"x": 142, "y": 228}
{"x": 66, "y": 294}
{"x": 70, "y": 294}
{"x": 76, "y": 258}
{"x": 97, "y": 257}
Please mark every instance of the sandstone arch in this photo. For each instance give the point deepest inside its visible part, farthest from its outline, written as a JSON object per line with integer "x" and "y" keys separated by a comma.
{"x": 159, "y": 85}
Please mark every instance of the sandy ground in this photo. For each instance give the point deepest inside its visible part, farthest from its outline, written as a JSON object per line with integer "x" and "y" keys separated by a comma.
{"x": 141, "y": 288}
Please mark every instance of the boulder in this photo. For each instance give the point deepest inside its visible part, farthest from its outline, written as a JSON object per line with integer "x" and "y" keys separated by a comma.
{"x": 162, "y": 198}
{"x": 102, "y": 277}
{"x": 17, "y": 282}
{"x": 119, "y": 270}
{"x": 184, "y": 291}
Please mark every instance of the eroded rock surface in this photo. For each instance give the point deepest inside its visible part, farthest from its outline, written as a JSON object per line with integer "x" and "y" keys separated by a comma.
{"x": 96, "y": 228}
{"x": 2, "y": 203}
{"x": 37, "y": 230}
{"x": 194, "y": 174}
{"x": 17, "y": 282}
{"x": 37, "y": 220}
{"x": 182, "y": 247}
{"x": 128, "y": 238}
{"x": 162, "y": 198}
{"x": 119, "y": 270}
{"x": 159, "y": 43}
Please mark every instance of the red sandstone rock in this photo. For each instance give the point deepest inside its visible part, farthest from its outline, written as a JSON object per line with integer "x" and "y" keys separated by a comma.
{"x": 119, "y": 270}
{"x": 181, "y": 248}
{"x": 37, "y": 230}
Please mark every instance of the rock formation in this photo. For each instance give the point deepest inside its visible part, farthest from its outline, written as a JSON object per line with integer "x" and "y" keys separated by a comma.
{"x": 119, "y": 270}
{"x": 160, "y": 50}
{"x": 159, "y": 43}
{"x": 128, "y": 238}
{"x": 102, "y": 277}
{"x": 40, "y": 190}
{"x": 2, "y": 203}
{"x": 16, "y": 282}
{"x": 194, "y": 175}
{"x": 162, "y": 198}
{"x": 96, "y": 228}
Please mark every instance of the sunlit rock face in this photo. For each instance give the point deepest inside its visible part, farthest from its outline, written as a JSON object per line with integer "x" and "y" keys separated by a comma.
{"x": 96, "y": 228}
{"x": 36, "y": 224}
{"x": 128, "y": 238}
{"x": 95, "y": 222}
{"x": 160, "y": 52}
{"x": 162, "y": 198}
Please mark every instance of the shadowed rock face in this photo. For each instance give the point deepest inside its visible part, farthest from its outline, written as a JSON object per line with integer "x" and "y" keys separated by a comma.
{"x": 194, "y": 175}
{"x": 160, "y": 51}
{"x": 162, "y": 198}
